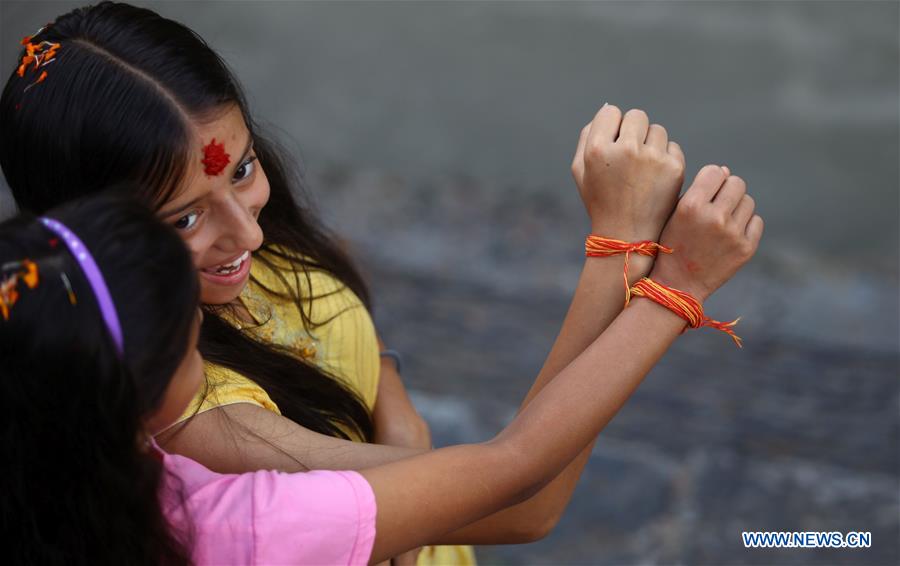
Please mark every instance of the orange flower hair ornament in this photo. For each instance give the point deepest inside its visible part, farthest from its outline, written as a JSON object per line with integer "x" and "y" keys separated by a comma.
{"x": 37, "y": 56}
{"x": 214, "y": 158}
{"x": 27, "y": 273}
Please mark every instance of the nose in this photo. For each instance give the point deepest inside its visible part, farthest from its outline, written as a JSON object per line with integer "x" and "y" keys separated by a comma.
{"x": 239, "y": 229}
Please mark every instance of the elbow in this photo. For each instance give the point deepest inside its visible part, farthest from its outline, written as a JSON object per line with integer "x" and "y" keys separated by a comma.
{"x": 533, "y": 534}
{"x": 540, "y": 528}
{"x": 529, "y": 529}
{"x": 407, "y": 429}
{"x": 548, "y": 526}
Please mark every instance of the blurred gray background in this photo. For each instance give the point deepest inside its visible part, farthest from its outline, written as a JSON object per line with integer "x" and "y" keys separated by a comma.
{"x": 437, "y": 138}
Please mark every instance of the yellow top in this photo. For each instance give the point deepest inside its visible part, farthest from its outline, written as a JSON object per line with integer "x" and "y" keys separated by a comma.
{"x": 343, "y": 342}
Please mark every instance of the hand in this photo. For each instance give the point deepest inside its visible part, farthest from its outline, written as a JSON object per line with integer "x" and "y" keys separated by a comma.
{"x": 713, "y": 233}
{"x": 628, "y": 174}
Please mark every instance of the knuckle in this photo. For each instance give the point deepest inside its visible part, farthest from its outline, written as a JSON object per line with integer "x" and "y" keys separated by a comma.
{"x": 718, "y": 221}
{"x": 759, "y": 221}
{"x": 612, "y": 108}
{"x": 636, "y": 113}
{"x": 750, "y": 203}
{"x": 735, "y": 192}
{"x": 629, "y": 148}
{"x": 595, "y": 151}
{"x": 687, "y": 206}
{"x": 710, "y": 169}
{"x": 576, "y": 170}
{"x": 653, "y": 154}
{"x": 674, "y": 164}
{"x": 746, "y": 247}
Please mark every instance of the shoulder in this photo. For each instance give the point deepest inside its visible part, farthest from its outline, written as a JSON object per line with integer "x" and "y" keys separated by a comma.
{"x": 225, "y": 386}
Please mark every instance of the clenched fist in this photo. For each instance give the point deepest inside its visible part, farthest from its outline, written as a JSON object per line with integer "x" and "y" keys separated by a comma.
{"x": 713, "y": 233}
{"x": 628, "y": 174}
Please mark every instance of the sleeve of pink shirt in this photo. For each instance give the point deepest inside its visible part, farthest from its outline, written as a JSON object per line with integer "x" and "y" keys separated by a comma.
{"x": 266, "y": 517}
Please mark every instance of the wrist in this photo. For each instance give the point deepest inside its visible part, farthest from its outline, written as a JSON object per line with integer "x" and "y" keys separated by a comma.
{"x": 682, "y": 285}
{"x": 638, "y": 265}
{"x": 615, "y": 231}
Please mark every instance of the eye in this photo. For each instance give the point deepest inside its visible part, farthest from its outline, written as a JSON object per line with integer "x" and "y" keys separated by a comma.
{"x": 245, "y": 170}
{"x": 187, "y": 221}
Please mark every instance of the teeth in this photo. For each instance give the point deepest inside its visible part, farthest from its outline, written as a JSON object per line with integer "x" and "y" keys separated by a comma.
{"x": 229, "y": 267}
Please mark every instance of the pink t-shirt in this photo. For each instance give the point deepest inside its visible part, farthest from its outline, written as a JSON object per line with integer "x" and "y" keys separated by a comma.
{"x": 266, "y": 517}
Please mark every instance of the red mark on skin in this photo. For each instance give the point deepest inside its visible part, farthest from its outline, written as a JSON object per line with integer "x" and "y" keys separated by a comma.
{"x": 214, "y": 158}
{"x": 692, "y": 267}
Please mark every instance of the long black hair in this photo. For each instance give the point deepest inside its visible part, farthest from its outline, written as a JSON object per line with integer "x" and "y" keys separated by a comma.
{"x": 117, "y": 105}
{"x": 77, "y": 488}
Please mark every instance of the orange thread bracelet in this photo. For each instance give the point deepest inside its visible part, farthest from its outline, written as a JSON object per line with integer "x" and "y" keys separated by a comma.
{"x": 598, "y": 246}
{"x": 684, "y": 305}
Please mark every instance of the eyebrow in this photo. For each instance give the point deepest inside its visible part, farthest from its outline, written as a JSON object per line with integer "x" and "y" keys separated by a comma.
{"x": 194, "y": 201}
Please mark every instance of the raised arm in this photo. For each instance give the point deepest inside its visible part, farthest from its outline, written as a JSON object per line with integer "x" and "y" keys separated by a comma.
{"x": 629, "y": 175}
{"x": 422, "y": 499}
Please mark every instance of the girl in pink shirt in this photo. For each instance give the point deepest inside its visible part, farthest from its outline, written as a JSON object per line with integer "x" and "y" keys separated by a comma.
{"x": 99, "y": 347}
{"x": 98, "y": 344}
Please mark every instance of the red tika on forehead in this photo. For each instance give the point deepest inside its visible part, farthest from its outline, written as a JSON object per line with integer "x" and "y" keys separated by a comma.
{"x": 214, "y": 158}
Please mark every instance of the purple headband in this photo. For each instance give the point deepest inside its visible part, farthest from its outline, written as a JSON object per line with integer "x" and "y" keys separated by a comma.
{"x": 94, "y": 277}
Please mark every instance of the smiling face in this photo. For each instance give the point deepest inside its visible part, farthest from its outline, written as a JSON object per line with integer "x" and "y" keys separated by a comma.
{"x": 216, "y": 208}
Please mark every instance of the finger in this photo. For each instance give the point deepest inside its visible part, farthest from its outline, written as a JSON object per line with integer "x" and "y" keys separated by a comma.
{"x": 730, "y": 193}
{"x": 754, "y": 229}
{"x": 674, "y": 149}
{"x": 706, "y": 184}
{"x": 727, "y": 170}
{"x": 657, "y": 137}
{"x": 605, "y": 125}
{"x": 578, "y": 160}
{"x": 634, "y": 126}
{"x": 744, "y": 211}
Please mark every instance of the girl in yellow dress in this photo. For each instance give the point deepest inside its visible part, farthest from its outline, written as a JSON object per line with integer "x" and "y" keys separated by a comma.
{"x": 294, "y": 381}
{"x": 130, "y": 95}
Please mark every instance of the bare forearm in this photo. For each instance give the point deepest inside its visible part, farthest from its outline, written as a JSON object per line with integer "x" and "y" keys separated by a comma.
{"x": 592, "y": 389}
{"x": 469, "y": 483}
{"x": 598, "y": 299}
